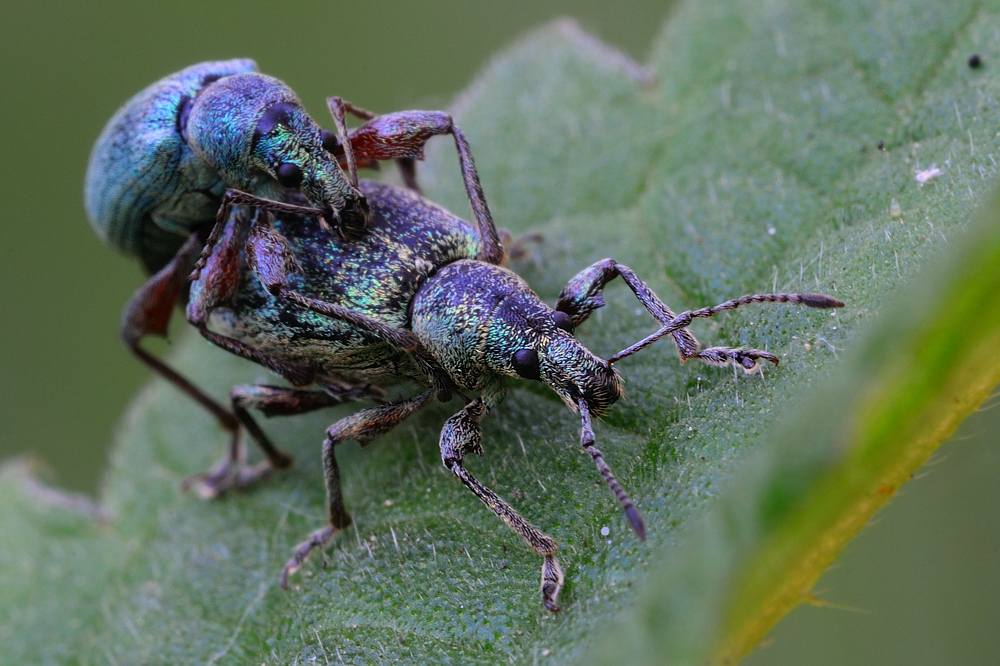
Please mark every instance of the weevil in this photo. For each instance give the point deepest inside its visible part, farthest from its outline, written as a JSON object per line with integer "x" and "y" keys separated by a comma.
{"x": 423, "y": 298}
{"x": 177, "y": 156}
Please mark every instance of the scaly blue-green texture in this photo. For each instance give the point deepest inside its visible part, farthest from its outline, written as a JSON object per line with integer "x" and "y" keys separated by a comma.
{"x": 751, "y": 164}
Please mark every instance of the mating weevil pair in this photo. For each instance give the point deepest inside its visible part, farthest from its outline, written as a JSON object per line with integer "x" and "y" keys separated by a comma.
{"x": 369, "y": 286}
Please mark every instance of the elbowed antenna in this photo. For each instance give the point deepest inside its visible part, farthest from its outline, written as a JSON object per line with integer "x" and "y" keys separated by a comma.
{"x": 587, "y": 442}
{"x": 684, "y": 319}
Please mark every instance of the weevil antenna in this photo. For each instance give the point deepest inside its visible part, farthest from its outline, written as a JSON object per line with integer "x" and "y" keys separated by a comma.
{"x": 338, "y": 110}
{"x": 684, "y": 319}
{"x": 587, "y": 442}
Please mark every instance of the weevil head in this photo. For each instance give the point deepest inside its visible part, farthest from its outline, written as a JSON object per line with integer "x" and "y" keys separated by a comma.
{"x": 528, "y": 339}
{"x": 482, "y": 322}
{"x": 253, "y": 130}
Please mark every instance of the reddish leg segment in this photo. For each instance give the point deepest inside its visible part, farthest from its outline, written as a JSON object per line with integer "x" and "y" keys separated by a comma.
{"x": 148, "y": 313}
{"x": 401, "y": 136}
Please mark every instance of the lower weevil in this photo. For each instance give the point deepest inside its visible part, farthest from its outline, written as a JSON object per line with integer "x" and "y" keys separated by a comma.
{"x": 421, "y": 297}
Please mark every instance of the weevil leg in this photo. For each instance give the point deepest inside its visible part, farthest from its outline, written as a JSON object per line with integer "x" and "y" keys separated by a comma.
{"x": 365, "y": 426}
{"x": 748, "y": 359}
{"x": 338, "y": 108}
{"x": 587, "y": 440}
{"x": 232, "y": 470}
{"x": 583, "y": 294}
{"x": 148, "y": 313}
{"x": 215, "y": 284}
{"x": 401, "y": 136}
{"x": 462, "y": 434}
{"x": 408, "y": 172}
{"x": 349, "y": 159}
{"x": 400, "y": 338}
{"x": 222, "y": 218}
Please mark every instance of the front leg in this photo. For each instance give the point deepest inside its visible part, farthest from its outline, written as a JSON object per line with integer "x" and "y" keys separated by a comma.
{"x": 461, "y": 435}
{"x": 233, "y": 198}
{"x": 583, "y": 294}
{"x": 401, "y": 136}
{"x": 215, "y": 284}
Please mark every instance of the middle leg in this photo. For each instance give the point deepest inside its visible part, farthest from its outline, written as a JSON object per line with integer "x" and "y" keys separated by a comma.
{"x": 401, "y": 136}
{"x": 365, "y": 426}
{"x": 232, "y": 470}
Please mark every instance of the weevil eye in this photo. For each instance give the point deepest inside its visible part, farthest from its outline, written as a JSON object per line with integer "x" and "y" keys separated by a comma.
{"x": 331, "y": 142}
{"x": 276, "y": 114}
{"x": 563, "y": 321}
{"x": 289, "y": 175}
{"x": 526, "y": 363}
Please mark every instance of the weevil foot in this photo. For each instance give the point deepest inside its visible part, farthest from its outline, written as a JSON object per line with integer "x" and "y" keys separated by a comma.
{"x": 552, "y": 580}
{"x": 747, "y": 359}
{"x": 224, "y": 476}
{"x": 231, "y": 471}
{"x": 318, "y": 539}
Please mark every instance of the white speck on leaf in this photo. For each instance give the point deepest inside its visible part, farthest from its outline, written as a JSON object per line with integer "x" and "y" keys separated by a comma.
{"x": 927, "y": 175}
{"x": 605, "y": 531}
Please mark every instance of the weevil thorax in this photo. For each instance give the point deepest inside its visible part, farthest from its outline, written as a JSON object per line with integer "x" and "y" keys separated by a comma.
{"x": 253, "y": 130}
{"x": 483, "y": 322}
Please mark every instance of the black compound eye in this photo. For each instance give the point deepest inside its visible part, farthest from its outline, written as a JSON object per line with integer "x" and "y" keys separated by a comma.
{"x": 289, "y": 175}
{"x": 563, "y": 321}
{"x": 526, "y": 363}
{"x": 276, "y": 114}
{"x": 331, "y": 142}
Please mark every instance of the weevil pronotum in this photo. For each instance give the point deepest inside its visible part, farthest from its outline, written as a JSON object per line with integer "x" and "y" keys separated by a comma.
{"x": 419, "y": 297}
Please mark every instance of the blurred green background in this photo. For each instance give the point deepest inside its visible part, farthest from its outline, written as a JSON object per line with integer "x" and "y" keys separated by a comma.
{"x": 921, "y": 585}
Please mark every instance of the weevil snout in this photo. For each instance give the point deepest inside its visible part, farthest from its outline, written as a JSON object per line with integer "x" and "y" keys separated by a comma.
{"x": 290, "y": 148}
{"x": 575, "y": 373}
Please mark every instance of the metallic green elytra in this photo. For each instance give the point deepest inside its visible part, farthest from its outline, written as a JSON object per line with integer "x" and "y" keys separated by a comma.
{"x": 163, "y": 163}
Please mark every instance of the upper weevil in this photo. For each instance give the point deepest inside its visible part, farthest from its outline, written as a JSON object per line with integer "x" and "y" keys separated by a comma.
{"x": 163, "y": 163}
{"x": 420, "y": 297}
{"x": 177, "y": 156}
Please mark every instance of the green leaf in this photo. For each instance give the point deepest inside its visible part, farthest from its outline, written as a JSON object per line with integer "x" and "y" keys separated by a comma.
{"x": 750, "y": 164}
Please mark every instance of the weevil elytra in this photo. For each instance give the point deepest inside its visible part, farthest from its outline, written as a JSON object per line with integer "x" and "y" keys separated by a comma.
{"x": 419, "y": 297}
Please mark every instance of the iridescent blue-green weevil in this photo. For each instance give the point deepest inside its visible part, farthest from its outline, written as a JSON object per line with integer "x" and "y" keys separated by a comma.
{"x": 419, "y": 297}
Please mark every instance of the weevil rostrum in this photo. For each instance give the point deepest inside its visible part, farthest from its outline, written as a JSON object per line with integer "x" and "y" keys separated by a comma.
{"x": 419, "y": 297}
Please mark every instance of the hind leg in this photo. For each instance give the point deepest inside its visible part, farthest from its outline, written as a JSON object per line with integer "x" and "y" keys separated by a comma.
{"x": 233, "y": 470}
